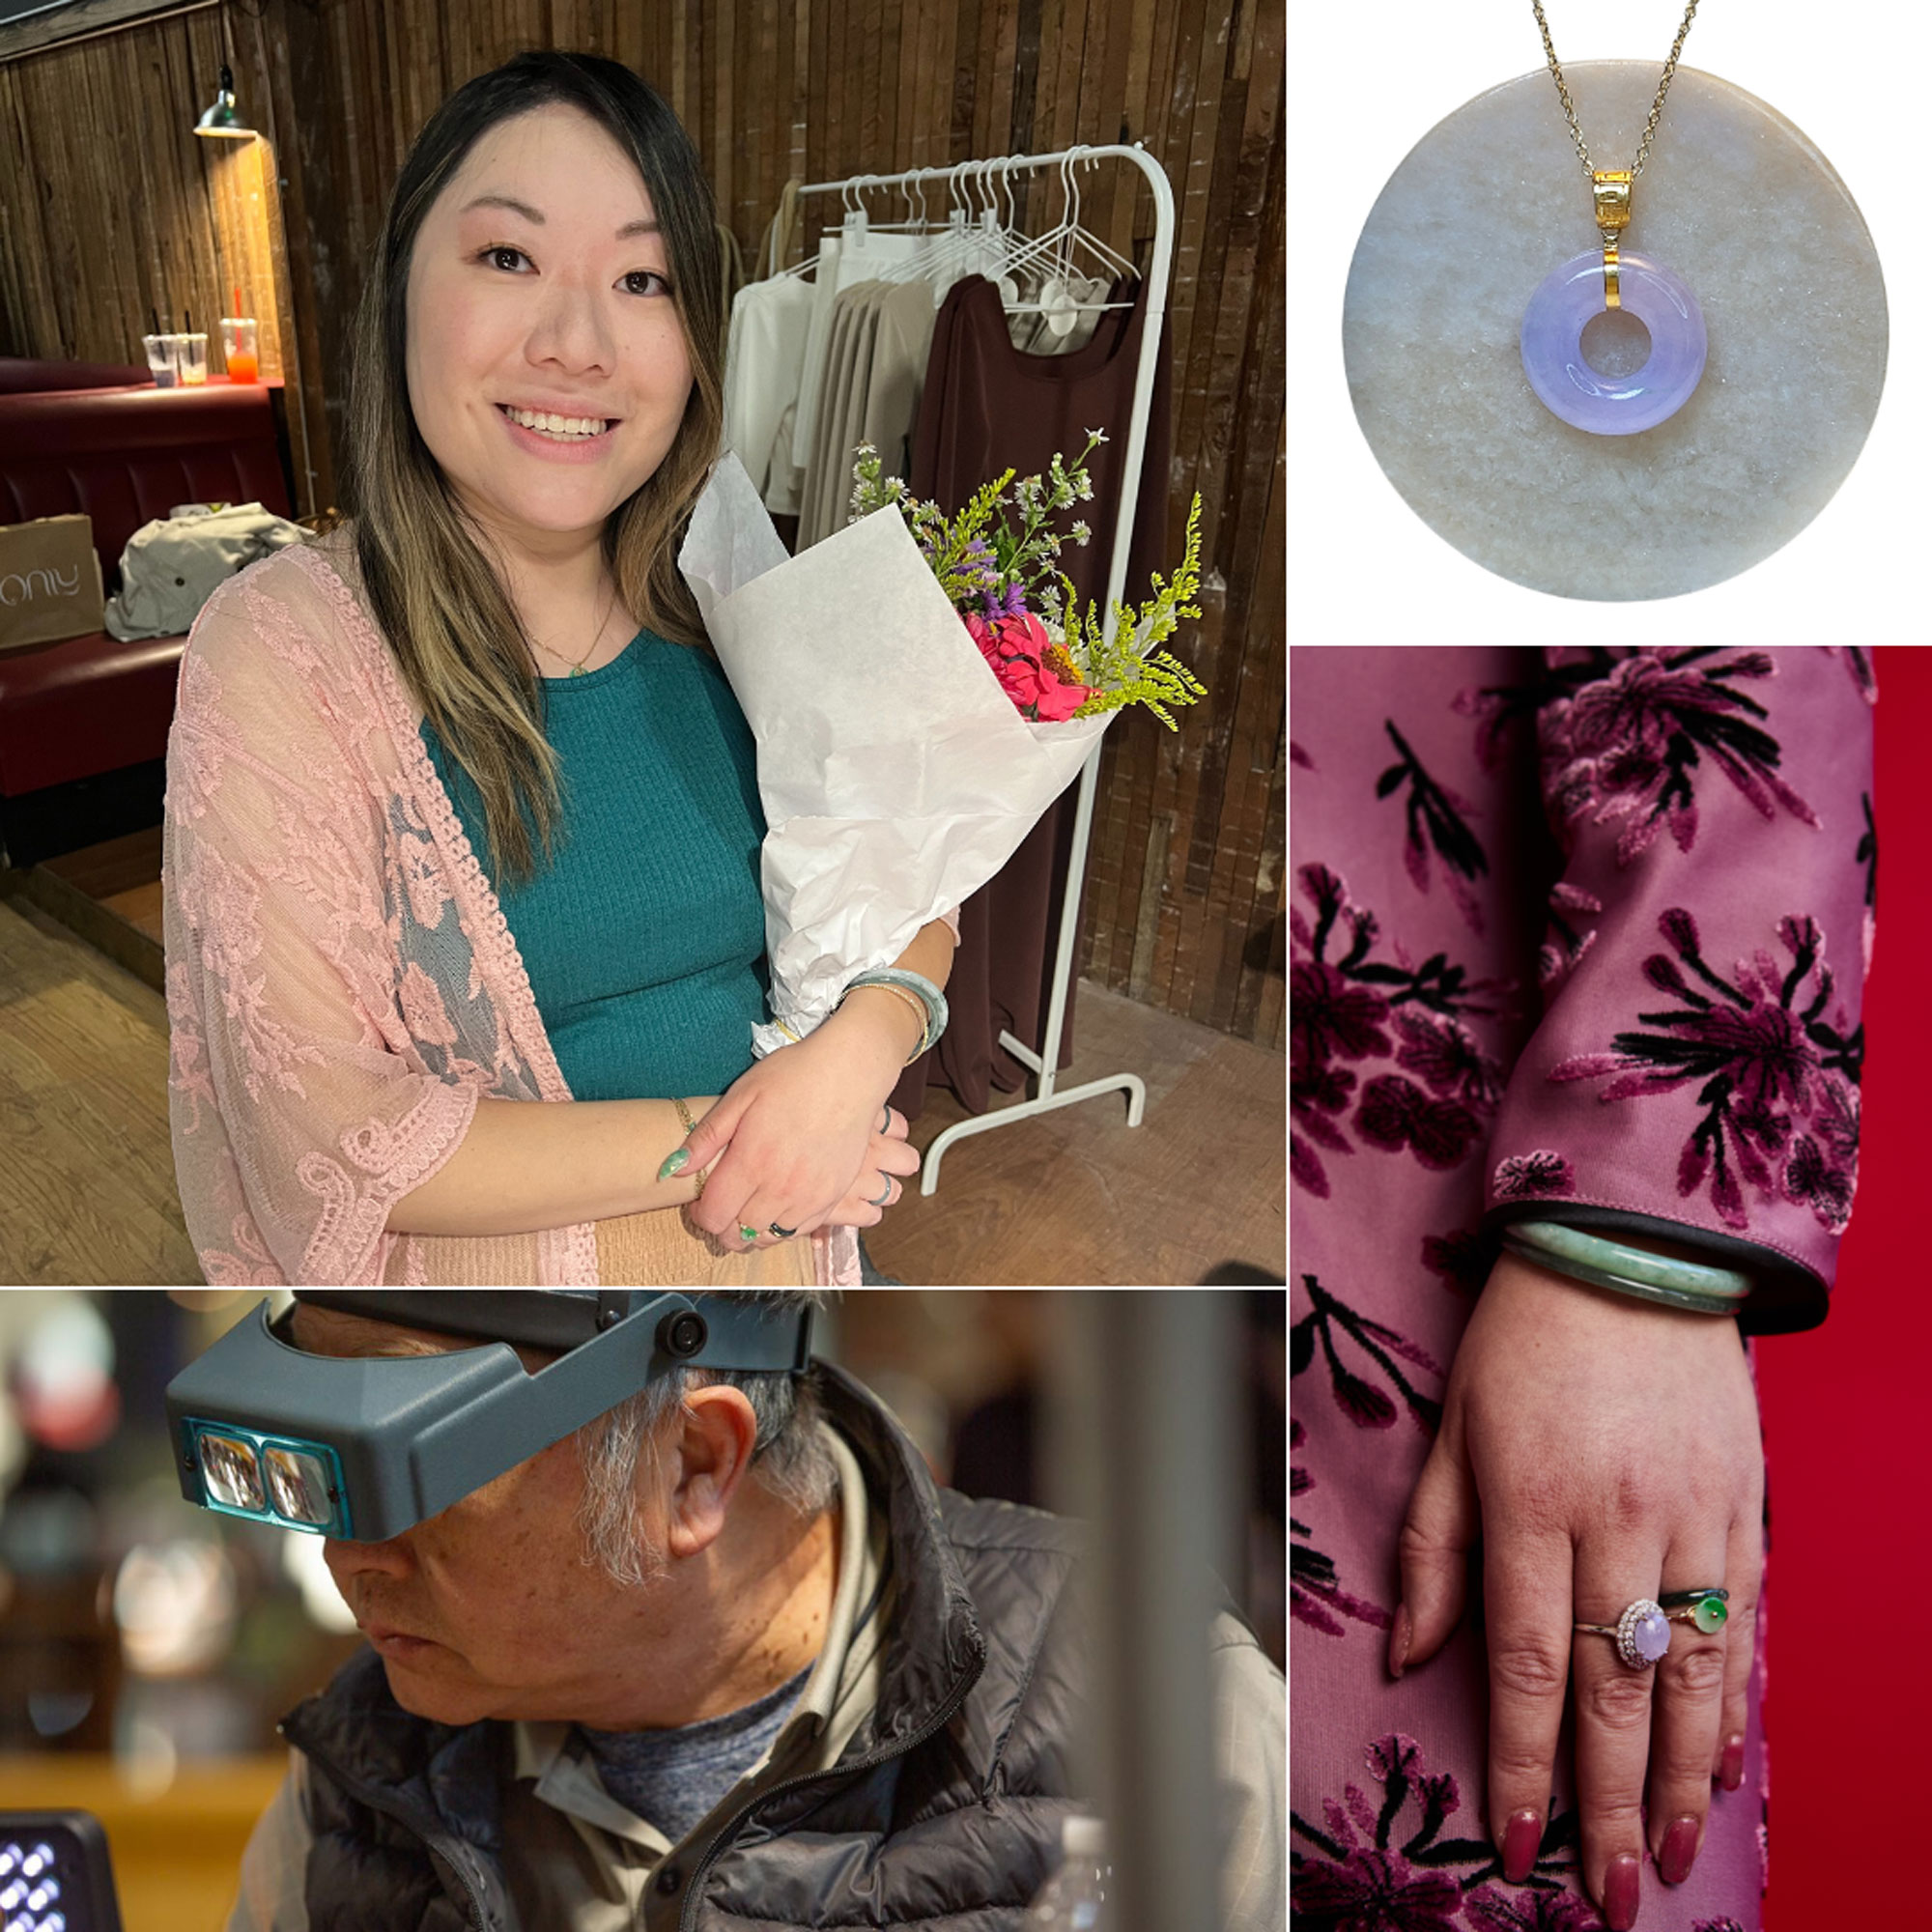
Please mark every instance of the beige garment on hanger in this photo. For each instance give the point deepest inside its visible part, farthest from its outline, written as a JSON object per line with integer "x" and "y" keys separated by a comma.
{"x": 848, "y": 355}
{"x": 874, "y": 381}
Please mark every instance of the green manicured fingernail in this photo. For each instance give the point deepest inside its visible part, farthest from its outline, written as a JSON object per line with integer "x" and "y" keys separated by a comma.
{"x": 674, "y": 1163}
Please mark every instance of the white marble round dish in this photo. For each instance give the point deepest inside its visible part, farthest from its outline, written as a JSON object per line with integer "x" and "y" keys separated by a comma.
{"x": 1753, "y": 218}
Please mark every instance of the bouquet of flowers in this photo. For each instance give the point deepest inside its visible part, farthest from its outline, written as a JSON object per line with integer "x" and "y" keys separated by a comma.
{"x": 920, "y": 689}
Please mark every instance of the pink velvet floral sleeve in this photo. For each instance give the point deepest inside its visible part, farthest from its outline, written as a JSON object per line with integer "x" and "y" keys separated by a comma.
{"x": 1697, "y": 1063}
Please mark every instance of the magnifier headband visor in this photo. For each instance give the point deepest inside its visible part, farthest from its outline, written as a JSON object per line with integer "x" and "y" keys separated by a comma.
{"x": 367, "y": 1446}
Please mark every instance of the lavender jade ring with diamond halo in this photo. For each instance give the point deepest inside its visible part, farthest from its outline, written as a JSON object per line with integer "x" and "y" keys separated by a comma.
{"x": 1643, "y": 1634}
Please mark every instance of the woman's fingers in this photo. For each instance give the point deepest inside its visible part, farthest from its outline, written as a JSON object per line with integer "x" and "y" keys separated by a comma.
{"x": 1443, "y": 1522}
{"x": 1742, "y": 1568}
{"x": 1526, "y": 1584}
{"x": 1689, "y": 1694}
{"x": 1613, "y": 1718}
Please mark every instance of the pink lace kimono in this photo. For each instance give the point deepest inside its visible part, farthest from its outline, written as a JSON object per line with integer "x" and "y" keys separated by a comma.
{"x": 342, "y": 984}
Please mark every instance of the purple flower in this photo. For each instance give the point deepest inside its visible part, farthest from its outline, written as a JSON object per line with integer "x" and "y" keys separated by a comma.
{"x": 1395, "y": 1113}
{"x": 1328, "y": 1018}
{"x": 1531, "y": 1911}
{"x": 1530, "y": 1176}
{"x": 1375, "y": 1892}
{"x": 1445, "y": 1054}
{"x": 1627, "y": 745}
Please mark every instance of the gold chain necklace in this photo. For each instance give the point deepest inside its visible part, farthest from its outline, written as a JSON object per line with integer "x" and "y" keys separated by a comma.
{"x": 610, "y": 604}
{"x": 1612, "y": 186}
{"x": 1573, "y": 296}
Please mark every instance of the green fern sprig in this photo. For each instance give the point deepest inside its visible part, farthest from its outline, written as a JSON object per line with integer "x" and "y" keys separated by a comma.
{"x": 1127, "y": 669}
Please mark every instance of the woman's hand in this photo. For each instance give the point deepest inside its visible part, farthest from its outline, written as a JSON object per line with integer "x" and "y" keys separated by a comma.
{"x": 1600, "y": 1449}
{"x": 807, "y": 1142}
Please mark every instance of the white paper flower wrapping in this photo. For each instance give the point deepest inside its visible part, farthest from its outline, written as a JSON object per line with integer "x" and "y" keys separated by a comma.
{"x": 896, "y": 775}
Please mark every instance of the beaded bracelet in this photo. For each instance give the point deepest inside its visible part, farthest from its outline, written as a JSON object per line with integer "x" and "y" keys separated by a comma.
{"x": 1595, "y": 1258}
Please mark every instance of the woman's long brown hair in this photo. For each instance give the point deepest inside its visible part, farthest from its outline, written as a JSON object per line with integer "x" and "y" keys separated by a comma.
{"x": 459, "y": 643}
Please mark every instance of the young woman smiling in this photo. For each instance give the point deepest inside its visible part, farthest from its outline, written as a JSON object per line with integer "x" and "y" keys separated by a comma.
{"x": 496, "y": 652}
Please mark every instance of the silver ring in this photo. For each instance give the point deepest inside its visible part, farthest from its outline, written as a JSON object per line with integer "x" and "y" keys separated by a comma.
{"x": 888, "y": 1194}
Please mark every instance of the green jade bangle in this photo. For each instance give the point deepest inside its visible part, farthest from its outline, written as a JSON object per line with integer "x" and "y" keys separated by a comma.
{"x": 1634, "y": 1271}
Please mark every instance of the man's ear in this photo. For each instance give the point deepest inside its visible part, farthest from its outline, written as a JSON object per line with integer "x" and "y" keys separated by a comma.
{"x": 712, "y": 1442}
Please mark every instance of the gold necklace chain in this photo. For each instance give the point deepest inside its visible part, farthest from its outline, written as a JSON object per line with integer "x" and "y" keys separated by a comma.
{"x": 603, "y": 623}
{"x": 1655, "y": 106}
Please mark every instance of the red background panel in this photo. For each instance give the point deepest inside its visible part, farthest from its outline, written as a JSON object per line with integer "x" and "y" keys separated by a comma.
{"x": 1848, "y": 1697}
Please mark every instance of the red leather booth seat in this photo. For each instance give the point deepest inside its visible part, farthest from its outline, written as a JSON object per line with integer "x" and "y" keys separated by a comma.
{"x": 29, "y": 372}
{"x": 88, "y": 705}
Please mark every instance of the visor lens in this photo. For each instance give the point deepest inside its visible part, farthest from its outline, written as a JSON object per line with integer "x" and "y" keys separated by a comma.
{"x": 233, "y": 1476}
{"x": 297, "y": 1485}
{"x": 293, "y": 1484}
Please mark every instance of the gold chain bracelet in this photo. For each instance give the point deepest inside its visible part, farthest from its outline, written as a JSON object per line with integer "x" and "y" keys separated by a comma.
{"x": 690, "y": 1128}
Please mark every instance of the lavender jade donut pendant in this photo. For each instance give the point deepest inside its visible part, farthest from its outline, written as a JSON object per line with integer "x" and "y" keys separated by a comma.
{"x": 1553, "y": 345}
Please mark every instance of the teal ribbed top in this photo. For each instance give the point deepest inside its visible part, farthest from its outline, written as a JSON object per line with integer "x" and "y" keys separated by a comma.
{"x": 645, "y": 939}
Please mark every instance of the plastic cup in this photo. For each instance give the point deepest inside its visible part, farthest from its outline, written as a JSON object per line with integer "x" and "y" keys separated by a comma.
{"x": 238, "y": 348}
{"x": 161, "y": 359}
{"x": 193, "y": 358}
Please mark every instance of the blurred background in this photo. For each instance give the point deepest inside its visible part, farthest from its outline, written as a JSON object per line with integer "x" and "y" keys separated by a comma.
{"x": 148, "y": 1648}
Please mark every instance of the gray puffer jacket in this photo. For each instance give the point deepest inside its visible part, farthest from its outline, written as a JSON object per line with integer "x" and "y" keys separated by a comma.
{"x": 944, "y": 1805}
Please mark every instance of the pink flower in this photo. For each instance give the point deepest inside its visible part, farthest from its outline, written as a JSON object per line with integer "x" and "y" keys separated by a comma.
{"x": 1060, "y": 701}
{"x": 1018, "y": 649}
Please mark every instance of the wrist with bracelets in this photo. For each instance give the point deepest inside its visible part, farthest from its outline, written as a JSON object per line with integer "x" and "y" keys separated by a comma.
{"x": 918, "y": 990}
{"x": 1604, "y": 1263}
{"x": 918, "y": 993}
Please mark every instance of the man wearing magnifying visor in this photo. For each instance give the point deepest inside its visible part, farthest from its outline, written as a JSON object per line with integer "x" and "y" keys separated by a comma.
{"x": 668, "y": 1627}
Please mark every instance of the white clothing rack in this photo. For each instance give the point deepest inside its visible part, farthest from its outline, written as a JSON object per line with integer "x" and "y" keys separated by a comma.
{"x": 1046, "y": 1062}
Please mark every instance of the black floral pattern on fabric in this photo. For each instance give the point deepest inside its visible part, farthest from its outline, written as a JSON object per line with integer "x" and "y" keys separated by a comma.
{"x": 1316, "y": 1596}
{"x": 1385, "y": 1866}
{"x": 1438, "y": 820}
{"x": 1781, "y": 1080}
{"x": 1627, "y": 745}
{"x": 1358, "y": 1008}
{"x": 1365, "y": 1404}
{"x": 1866, "y": 856}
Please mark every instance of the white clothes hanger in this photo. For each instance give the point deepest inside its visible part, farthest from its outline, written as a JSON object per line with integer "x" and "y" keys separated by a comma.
{"x": 1051, "y": 255}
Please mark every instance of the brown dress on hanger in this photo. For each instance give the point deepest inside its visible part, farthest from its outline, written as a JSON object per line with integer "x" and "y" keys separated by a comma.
{"x": 987, "y": 407}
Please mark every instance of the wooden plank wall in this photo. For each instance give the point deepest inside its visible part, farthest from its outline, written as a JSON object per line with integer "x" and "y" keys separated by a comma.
{"x": 1185, "y": 888}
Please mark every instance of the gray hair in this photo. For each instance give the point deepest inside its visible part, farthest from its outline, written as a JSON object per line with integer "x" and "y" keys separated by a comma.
{"x": 789, "y": 1459}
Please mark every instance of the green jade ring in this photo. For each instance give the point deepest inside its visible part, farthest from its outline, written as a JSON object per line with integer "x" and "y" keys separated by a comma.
{"x": 1706, "y": 1608}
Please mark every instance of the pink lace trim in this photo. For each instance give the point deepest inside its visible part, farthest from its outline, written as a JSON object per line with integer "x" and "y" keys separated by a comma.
{"x": 565, "y": 1255}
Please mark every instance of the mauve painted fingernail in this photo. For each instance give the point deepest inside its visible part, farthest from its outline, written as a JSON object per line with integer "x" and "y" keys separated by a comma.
{"x": 1680, "y": 1849}
{"x": 1620, "y": 1891}
{"x": 1732, "y": 1775}
{"x": 1399, "y": 1641}
{"x": 1521, "y": 1839}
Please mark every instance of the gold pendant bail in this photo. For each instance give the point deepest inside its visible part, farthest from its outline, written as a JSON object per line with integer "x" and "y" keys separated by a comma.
{"x": 1612, "y": 191}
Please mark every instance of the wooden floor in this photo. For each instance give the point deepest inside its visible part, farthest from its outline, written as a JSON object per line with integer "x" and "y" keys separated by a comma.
{"x": 1071, "y": 1197}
